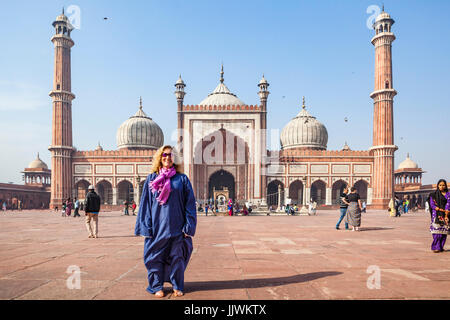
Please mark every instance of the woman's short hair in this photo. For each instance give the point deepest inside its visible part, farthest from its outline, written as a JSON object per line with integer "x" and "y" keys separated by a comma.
{"x": 352, "y": 189}
{"x": 157, "y": 164}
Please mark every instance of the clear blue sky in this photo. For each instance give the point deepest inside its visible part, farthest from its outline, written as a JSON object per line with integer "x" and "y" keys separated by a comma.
{"x": 318, "y": 49}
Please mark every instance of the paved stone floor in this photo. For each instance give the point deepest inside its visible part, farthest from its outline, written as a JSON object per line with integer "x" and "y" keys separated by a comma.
{"x": 235, "y": 258}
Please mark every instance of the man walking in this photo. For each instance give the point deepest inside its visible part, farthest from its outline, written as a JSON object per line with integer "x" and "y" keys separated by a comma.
{"x": 342, "y": 208}
{"x": 92, "y": 208}
{"x": 125, "y": 211}
{"x": 397, "y": 205}
{"x": 77, "y": 208}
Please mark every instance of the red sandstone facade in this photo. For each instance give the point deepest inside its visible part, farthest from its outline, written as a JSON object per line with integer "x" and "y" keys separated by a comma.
{"x": 254, "y": 173}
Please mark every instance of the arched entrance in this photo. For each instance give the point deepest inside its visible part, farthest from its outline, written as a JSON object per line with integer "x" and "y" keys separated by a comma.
{"x": 338, "y": 188}
{"x": 318, "y": 192}
{"x": 296, "y": 192}
{"x": 361, "y": 188}
{"x": 125, "y": 192}
{"x": 221, "y": 150}
{"x": 104, "y": 190}
{"x": 81, "y": 189}
{"x": 218, "y": 181}
{"x": 272, "y": 193}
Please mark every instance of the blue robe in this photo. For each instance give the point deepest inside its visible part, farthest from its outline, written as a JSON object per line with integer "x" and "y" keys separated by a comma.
{"x": 166, "y": 249}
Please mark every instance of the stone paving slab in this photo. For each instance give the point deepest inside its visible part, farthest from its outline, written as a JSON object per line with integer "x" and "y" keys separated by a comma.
{"x": 258, "y": 257}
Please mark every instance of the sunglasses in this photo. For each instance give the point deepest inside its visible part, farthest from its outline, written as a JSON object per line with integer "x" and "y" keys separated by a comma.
{"x": 167, "y": 155}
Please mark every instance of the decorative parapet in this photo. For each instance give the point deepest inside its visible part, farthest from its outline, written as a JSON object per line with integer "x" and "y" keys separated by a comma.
{"x": 221, "y": 108}
{"x": 288, "y": 153}
{"x": 122, "y": 153}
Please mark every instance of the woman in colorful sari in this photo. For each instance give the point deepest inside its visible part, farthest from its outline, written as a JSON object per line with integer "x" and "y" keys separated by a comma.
{"x": 353, "y": 216}
{"x": 69, "y": 206}
{"x": 167, "y": 218}
{"x": 439, "y": 204}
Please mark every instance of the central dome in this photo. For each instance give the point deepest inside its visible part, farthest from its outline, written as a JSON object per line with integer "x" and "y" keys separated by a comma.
{"x": 139, "y": 132}
{"x": 304, "y": 131}
{"x": 221, "y": 96}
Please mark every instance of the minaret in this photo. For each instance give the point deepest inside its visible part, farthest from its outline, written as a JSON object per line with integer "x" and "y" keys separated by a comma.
{"x": 61, "y": 147}
{"x": 179, "y": 94}
{"x": 263, "y": 95}
{"x": 383, "y": 120}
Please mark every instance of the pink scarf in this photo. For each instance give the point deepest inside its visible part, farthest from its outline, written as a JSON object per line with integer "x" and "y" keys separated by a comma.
{"x": 162, "y": 184}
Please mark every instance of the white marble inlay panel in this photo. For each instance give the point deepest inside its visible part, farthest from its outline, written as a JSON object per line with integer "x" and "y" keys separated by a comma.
{"x": 144, "y": 169}
{"x": 341, "y": 168}
{"x": 274, "y": 168}
{"x": 103, "y": 169}
{"x": 319, "y": 168}
{"x": 298, "y": 168}
{"x": 83, "y": 168}
{"x": 124, "y": 168}
{"x": 361, "y": 168}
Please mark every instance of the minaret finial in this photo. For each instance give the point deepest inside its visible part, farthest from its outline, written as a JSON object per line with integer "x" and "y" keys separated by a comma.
{"x": 63, "y": 11}
{"x": 221, "y": 74}
{"x": 38, "y": 155}
{"x": 140, "y": 102}
{"x": 303, "y": 106}
{"x": 407, "y": 155}
{"x": 382, "y": 8}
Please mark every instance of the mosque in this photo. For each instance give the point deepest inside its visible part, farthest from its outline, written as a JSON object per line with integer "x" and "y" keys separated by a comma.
{"x": 222, "y": 145}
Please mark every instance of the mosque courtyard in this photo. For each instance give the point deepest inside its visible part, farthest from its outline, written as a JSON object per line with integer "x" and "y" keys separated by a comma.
{"x": 45, "y": 256}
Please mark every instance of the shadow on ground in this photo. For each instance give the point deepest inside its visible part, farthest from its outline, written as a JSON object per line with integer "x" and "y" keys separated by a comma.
{"x": 374, "y": 228}
{"x": 257, "y": 283}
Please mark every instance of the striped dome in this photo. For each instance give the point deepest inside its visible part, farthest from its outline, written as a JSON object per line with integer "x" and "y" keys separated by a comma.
{"x": 304, "y": 131}
{"x": 37, "y": 164}
{"x": 139, "y": 132}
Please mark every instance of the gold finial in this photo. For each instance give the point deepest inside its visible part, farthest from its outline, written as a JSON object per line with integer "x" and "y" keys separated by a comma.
{"x": 303, "y": 106}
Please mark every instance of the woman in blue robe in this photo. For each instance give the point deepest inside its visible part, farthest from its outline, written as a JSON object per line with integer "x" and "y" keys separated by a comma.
{"x": 167, "y": 218}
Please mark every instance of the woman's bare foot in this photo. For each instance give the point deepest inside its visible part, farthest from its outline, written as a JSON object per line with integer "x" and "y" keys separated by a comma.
{"x": 159, "y": 294}
{"x": 178, "y": 293}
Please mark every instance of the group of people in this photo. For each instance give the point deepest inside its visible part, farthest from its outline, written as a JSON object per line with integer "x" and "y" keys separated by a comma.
{"x": 350, "y": 209}
{"x": 91, "y": 207}
{"x": 397, "y": 207}
{"x": 67, "y": 207}
{"x": 167, "y": 219}
{"x": 127, "y": 206}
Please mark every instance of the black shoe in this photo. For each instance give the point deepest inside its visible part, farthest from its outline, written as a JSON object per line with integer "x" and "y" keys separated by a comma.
{"x": 337, "y": 228}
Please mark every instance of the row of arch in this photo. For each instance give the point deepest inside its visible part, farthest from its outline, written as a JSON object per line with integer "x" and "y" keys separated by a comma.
{"x": 63, "y": 30}
{"x": 37, "y": 179}
{"x": 384, "y": 28}
{"x": 318, "y": 191}
{"x": 125, "y": 191}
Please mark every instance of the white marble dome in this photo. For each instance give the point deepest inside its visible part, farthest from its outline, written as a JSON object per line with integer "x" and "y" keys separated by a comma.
{"x": 408, "y": 164}
{"x": 37, "y": 164}
{"x": 139, "y": 132}
{"x": 304, "y": 131}
{"x": 221, "y": 96}
{"x": 383, "y": 16}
